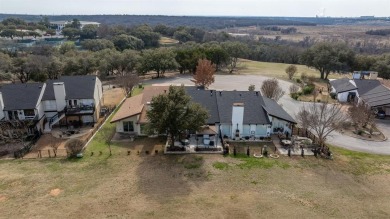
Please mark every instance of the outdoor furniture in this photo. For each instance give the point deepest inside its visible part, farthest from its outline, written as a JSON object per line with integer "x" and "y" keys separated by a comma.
{"x": 286, "y": 142}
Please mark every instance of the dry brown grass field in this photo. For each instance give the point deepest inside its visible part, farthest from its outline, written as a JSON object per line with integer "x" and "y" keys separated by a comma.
{"x": 350, "y": 33}
{"x": 353, "y": 185}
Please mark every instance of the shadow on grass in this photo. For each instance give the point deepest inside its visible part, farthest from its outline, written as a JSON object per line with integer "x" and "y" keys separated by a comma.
{"x": 165, "y": 178}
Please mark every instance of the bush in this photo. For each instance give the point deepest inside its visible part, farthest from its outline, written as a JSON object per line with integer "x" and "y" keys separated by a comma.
{"x": 73, "y": 147}
{"x": 308, "y": 89}
{"x": 299, "y": 80}
{"x": 359, "y": 132}
{"x": 318, "y": 100}
{"x": 294, "y": 96}
{"x": 333, "y": 95}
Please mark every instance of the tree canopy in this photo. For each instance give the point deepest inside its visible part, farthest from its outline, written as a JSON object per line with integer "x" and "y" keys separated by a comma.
{"x": 329, "y": 57}
{"x": 174, "y": 113}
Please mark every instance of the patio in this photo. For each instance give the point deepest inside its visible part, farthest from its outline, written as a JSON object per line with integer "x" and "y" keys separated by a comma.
{"x": 197, "y": 143}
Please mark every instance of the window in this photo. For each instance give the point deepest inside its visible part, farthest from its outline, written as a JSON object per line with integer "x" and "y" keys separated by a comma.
{"x": 29, "y": 112}
{"x": 75, "y": 102}
{"x": 128, "y": 126}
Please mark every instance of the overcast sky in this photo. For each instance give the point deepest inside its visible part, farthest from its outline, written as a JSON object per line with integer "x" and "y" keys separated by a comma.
{"x": 297, "y": 8}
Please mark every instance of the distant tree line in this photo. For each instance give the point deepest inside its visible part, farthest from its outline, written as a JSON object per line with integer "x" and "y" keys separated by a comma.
{"x": 380, "y": 32}
{"x": 119, "y": 50}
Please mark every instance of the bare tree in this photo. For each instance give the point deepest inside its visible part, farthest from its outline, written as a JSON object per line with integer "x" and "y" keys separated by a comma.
{"x": 271, "y": 89}
{"x": 54, "y": 144}
{"x": 127, "y": 82}
{"x": 290, "y": 71}
{"x": 74, "y": 146}
{"x": 321, "y": 118}
{"x": 251, "y": 87}
{"x": 107, "y": 134}
{"x": 315, "y": 94}
{"x": 362, "y": 115}
{"x": 294, "y": 89}
{"x": 204, "y": 75}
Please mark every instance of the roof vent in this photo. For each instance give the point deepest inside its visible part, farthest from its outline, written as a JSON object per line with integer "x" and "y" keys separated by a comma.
{"x": 211, "y": 93}
{"x": 220, "y": 93}
{"x": 257, "y": 93}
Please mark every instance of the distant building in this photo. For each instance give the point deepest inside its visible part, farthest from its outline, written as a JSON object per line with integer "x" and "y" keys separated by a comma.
{"x": 59, "y": 25}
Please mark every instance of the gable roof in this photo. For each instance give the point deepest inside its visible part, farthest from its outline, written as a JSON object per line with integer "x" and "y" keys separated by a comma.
{"x": 132, "y": 106}
{"x": 377, "y": 96}
{"x": 253, "y": 106}
{"x": 21, "y": 96}
{"x": 76, "y": 87}
{"x": 151, "y": 91}
{"x": 219, "y": 104}
{"x": 275, "y": 110}
{"x": 365, "y": 85}
{"x": 342, "y": 85}
{"x": 207, "y": 99}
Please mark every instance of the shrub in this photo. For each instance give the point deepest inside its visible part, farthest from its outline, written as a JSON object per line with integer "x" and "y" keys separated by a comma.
{"x": 359, "y": 132}
{"x": 318, "y": 100}
{"x": 308, "y": 89}
{"x": 303, "y": 77}
{"x": 333, "y": 95}
{"x": 294, "y": 88}
{"x": 298, "y": 80}
{"x": 294, "y": 96}
{"x": 74, "y": 146}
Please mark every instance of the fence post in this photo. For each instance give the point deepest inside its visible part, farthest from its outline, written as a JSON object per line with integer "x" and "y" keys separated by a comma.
{"x": 49, "y": 152}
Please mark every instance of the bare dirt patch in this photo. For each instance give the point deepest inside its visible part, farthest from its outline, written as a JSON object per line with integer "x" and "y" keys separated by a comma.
{"x": 55, "y": 192}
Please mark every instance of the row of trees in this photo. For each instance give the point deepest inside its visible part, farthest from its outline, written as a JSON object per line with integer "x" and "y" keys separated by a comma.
{"x": 40, "y": 63}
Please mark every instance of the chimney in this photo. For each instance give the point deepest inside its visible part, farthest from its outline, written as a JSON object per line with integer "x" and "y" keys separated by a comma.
{"x": 237, "y": 120}
{"x": 1, "y": 106}
{"x": 59, "y": 95}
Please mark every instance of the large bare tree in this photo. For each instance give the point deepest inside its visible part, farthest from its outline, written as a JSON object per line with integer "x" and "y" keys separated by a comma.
{"x": 362, "y": 115}
{"x": 271, "y": 89}
{"x": 127, "y": 82}
{"x": 321, "y": 118}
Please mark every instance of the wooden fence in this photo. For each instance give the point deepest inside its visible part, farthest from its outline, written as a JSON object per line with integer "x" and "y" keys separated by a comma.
{"x": 305, "y": 133}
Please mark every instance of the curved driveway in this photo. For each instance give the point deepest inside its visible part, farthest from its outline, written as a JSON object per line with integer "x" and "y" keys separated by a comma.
{"x": 242, "y": 82}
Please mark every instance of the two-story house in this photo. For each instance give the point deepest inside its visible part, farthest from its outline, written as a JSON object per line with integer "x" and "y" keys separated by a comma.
{"x": 72, "y": 101}
{"x": 23, "y": 102}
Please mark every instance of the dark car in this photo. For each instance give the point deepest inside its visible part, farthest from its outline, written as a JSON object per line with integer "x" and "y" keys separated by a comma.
{"x": 381, "y": 114}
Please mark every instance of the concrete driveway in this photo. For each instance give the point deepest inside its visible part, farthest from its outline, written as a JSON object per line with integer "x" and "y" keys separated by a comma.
{"x": 242, "y": 82}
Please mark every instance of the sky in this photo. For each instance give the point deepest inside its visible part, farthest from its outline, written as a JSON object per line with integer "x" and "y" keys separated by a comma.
{"x": 282, "y": 8}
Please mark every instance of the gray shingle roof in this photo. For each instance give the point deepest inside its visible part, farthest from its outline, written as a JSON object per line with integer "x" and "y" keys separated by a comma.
{"x": 342, "y": 85}
{"x": 377, "y": 96}
{"x": 275, "y": 110}
{"x": 253, "y": 106}
{"x": 206, "y": 98}
{"x": 76, "y": 87}
{"x": 21, "y": 96}
{"x": 365, "y": 85}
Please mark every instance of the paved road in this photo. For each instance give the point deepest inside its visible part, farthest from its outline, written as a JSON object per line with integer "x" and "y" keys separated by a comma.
{"x": 242, "y": 82}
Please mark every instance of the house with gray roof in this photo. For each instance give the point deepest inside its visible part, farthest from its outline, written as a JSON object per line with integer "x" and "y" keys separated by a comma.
{"x": 72, "y": 100}
{"x": 23, "y": 102}
{"x": 233, "y": 114}
{"x": 369, "y": 91}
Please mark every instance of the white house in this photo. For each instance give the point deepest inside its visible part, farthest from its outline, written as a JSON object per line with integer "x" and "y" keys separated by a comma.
{"x": 59, "y": 25}
{"x": 233, "y": 114}
{"x": 23, "y": 102}
{"x": 72, "y": 100}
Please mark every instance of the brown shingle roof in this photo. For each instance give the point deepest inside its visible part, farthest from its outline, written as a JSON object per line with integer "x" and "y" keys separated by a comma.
{"x": 151, "y": 91}
{"x": 132, "y": 106}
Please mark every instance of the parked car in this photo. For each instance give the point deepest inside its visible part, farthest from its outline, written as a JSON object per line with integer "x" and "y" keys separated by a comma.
{"x": 381, "y": 114}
